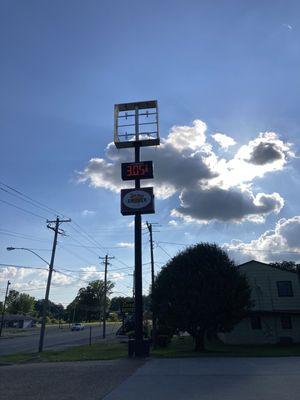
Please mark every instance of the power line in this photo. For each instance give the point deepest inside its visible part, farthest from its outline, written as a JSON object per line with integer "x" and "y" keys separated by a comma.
{"x": 30, "y": 198}
{"x": 163, "y": 250}
{"x": 23, "y": 209}
{"x": 20, "y": 266}
{"x": 21, "y": 198}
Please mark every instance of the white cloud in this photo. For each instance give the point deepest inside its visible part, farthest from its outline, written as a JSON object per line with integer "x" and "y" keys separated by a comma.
{"x": 90, "y": 273}
{"x": 186, "y": 165}
{"x": 172, "y": 222}
{"x": 182, "y": 159}
{"x": 88, "y": 213}
{"x": 188, "y": 137}
{"x": 116, "y": 276}
{"x": 223, "y": 140}
{"x": 126, "y": 245}
{"x": 282, "y": 243}
{"x": 265, "y": 154}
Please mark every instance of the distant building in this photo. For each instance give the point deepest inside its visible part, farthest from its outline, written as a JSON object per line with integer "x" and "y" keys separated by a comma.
{"x": 275, "y": 315}
{"x": 18, "y": 321}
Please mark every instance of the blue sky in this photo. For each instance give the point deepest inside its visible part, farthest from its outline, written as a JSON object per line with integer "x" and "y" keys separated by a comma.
{"x": 232, "y": 65}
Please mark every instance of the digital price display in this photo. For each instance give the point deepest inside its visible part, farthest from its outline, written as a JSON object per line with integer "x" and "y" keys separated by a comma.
{"x": 139, "y": 170}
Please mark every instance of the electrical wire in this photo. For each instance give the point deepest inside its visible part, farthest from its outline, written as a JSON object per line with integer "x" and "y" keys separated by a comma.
{"x": 23, "y": 209}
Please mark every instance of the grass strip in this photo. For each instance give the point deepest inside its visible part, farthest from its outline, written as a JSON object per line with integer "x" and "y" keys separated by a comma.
{"x": 97, "y": 351}
{"x": 184, "y": 347}
{"x": 179, "y": 347}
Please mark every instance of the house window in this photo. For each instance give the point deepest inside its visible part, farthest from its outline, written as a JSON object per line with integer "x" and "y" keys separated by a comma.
{"x": 255, "y": 322}
{"x": 285, "y": 289}
{"x": 286, "y": 322}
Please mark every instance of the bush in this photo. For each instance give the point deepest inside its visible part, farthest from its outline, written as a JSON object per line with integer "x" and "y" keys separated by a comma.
{"x": 163, "y": 340}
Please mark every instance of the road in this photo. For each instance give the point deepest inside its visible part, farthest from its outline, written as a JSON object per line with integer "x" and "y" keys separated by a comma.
{"x": 86, "y": 380}
{"x": 160, "y": 379}
{"x": 55, "y": 338}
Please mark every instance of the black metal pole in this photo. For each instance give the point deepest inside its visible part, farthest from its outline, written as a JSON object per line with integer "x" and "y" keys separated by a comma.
{"x": 138, "y": 286}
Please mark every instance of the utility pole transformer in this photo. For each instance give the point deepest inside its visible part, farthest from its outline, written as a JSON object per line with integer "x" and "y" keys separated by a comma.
{"x": 3, "y": 310}
{"x": 57, "y": 231}
{"x": 106, "y": 263}
{"x": 136, "y": 125}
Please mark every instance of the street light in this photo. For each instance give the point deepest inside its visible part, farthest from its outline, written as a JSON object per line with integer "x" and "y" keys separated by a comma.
{"x": 10, "y": 248}
{"x": 42, "y": 332}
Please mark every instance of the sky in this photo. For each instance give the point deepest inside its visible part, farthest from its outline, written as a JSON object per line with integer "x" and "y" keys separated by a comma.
{"x": 226, "y": 78}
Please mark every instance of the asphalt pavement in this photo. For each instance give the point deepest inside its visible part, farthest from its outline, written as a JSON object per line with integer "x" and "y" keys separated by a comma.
{"x": 88, "y": 380}
{"x": 213, "y": 379}
{"x": 55, "y": 339}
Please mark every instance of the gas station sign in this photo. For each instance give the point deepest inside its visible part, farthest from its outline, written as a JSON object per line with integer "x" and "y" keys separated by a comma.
{"x": 137, "y": 201}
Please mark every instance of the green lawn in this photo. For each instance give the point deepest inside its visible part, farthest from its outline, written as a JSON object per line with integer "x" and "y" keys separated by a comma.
{"x": 97, "y": 351}
{"x": 184, "y": 347}
{"x": 179, "y": 347}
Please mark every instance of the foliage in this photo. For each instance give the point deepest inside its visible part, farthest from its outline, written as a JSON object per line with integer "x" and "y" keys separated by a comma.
{"x": 19, "y": 303}
{"x": 117, "y": 302}
{"x": 287, "y": 266}
{"x": 89, "y": 302}
{"x": 54, "y": 311}
{"x": 113, "y": 317}
{"x": 202, "y": 292}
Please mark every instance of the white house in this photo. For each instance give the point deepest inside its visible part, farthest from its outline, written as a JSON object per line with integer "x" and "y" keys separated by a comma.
{"x": 275, "y": 315}
{"x": 18, "y": 321}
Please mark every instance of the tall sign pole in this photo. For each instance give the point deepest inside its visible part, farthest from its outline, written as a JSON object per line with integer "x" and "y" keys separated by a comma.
{"x": 139, "y": 129}
{"x": 138, "y": 285}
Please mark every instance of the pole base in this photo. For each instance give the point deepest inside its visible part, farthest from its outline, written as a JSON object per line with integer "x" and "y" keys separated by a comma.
{"x": 138, "y": 350}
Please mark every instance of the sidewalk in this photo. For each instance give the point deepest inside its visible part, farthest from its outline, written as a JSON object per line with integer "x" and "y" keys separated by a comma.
{"x": 213, "y": 379}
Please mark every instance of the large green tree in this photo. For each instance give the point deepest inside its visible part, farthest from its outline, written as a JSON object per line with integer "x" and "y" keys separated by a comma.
{"x": 19, "y": 303}
{"x": 89, "y": 302}
{"x": 53, "y": 310}
{"x": 201, "y": 291}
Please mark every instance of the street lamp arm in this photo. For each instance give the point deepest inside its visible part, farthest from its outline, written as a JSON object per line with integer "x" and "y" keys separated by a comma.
{"x": 31, "y": 251}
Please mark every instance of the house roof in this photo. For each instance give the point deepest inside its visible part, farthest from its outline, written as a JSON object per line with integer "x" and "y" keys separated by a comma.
{"x": 269, "y": 265}
{"x": 18, "y": 317}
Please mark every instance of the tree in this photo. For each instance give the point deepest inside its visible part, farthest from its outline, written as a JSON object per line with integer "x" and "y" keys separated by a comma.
{"x": 116, "y": 303}
{"x": 202, "y": 292}
{"x": 287, "y": 266}
{"x": 89, "y": 302}
{"x": 19, "y": 303}
{"x": 54, "y": 311}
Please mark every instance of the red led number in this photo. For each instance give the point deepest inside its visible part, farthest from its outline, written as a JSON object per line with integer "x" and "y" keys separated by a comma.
{"x": 136, "y": 170}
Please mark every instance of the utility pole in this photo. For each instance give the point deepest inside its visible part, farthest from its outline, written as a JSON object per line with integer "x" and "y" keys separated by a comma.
{"x": 149, "y": 226}
{"x": 57, "y": 231}
{"x": 3, "y": 310}
{"x": 106, "y": 263}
